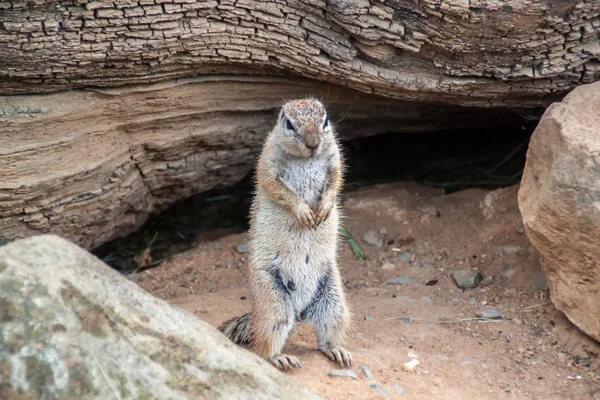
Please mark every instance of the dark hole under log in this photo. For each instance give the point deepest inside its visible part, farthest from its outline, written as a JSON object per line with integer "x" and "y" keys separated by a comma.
{"x": 491, "y": 157}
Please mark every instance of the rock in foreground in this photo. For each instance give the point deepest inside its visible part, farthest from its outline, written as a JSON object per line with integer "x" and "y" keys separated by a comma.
{"x": 559, "y": 199}
{"x": 72, "y": 328}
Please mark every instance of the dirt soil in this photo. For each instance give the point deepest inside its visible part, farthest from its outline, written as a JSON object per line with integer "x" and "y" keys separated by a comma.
{"x": 534, "y": 353}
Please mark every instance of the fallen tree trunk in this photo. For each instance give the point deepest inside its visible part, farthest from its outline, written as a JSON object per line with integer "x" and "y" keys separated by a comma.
{"x": 479, "y": 52}
{"x": 91, "y": 165}
{"x": 111, "y": 110}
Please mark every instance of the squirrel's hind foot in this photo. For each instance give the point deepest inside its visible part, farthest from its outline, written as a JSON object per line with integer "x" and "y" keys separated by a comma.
{"x": 285, "y": 362}
{"x": 339, "y": 355}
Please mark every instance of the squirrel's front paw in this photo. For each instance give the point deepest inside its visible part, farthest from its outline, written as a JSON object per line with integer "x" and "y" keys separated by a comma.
{"x": 323, "y": 210}
{"x": 304, "y": 215}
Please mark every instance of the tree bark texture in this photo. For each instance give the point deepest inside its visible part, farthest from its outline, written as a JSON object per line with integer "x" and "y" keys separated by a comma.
{"x": 90, "y": 165}
{"x": 471, "y": 52}
{"x": 110, "y": 110}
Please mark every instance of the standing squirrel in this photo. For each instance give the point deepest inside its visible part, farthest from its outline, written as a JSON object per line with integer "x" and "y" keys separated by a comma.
{"x": 294, "y": 238}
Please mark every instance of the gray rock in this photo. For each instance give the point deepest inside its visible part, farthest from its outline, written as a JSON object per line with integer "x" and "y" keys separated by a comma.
{"x": 399, "y": 389}
{"x": 77, "y": 329}
{"x": 368, "y": 318}
{"x": 427, "y": 299}
{"x": 520, "y": 229}
{"x": 466, "y": 362}
{"x": 467, "y": 279}
{"x": 380, "y": 389}
{"x": 510, "y": 249}
{"x": 437, "y": 357}
{"x": 428, "y": 266}
{"x": 488, "y": 280}
{"x": 343, "y": 373}
{"x": 388, "y": 266}
{"x": 540, "y": 282}
{"x": 490, "y": 313}
{"x": 405, "y": 256}
{"x": 374, "y": 239}
{"x": 366, "y": 372}
{"x": 242, "y": 248}
{"x": 508, "y": 274}
{"x": 401, "y": 280}
{"x": 133, "y": 277}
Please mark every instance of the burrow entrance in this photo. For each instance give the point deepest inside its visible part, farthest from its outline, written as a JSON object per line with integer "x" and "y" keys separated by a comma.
{"x": 489, "y": 157}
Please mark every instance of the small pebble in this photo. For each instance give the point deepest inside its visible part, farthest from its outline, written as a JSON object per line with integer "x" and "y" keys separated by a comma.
{"x": 520, "y": 229}
{"x": 488, "y": 280}
{"x": 466, "y": 362}
{"x": 405, "y": 256}
{"x": 412, "y": 355}
{"x": 380, "y": 389}
{"x": 368, "y": 318}
{"x": 344, "y": 373}
{"x": 508, "y": 274}
{"x": 388, "y": 266}
{"x": 401, "y": 280}
{"x": 427, "y": 299}
{"x": 411, "y": 365}
{"x": 134, "y": 277}
{"x": 366, "y": 372}
{"x": 490, "y": 313}
{"x": 428, "y": 266}
{"x": 540, "y": 282}
{"x": 436, "y": 357}
{"x": 467, "y": 279}
{"x": 242, "y": 248}
{"x": 399, "y": 389}
{"x": 373, "y": 239}
{"x": 510, "y": 249}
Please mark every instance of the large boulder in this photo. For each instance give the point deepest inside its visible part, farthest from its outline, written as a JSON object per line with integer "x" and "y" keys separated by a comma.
{"x": 72, "y": 328}
{"x": 560, "y": 203}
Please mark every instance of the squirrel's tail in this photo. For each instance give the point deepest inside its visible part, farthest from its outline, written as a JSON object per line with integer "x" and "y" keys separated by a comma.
{"x": 238, "y": 329}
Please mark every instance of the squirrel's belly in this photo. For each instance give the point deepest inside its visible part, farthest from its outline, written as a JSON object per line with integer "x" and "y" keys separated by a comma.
{"x": 300, "y": 256}
{"x": 276, "y": 231}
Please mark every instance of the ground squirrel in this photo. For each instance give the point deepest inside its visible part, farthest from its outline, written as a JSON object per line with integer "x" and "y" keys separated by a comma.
{"x": 293, "y": 239}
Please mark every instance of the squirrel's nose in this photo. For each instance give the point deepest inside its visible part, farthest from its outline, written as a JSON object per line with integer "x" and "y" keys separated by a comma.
{"x": 312, "y": 142}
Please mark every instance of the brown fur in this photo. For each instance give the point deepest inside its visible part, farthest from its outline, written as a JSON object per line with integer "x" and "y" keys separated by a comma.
{"x": 294, "y": 236}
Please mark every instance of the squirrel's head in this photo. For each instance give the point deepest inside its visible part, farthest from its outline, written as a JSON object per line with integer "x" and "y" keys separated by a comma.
{"x": 304, "y": 127}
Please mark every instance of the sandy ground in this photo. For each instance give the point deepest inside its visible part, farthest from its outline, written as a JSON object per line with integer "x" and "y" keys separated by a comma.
{"x": 534, "y": 353}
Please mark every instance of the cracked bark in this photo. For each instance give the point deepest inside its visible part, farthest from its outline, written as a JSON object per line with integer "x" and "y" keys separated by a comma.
{"x": 477, "y": 52}
{"x": 178, "y": 94}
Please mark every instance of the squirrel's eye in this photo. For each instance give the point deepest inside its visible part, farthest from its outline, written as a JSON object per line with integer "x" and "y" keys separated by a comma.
{"x": 288, "y": 125}
{"x": 326, "y": 123}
